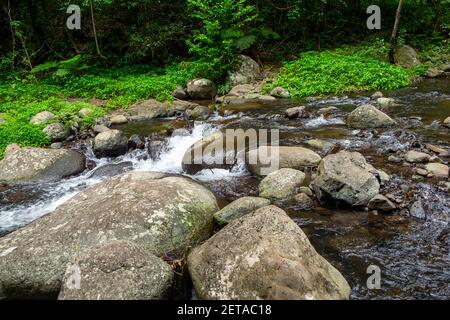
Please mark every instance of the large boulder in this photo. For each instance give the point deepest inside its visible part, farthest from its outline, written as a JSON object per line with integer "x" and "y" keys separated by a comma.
{"x": 406, "y": 56}
{"x": 111, "y": 143}
{"x": 266, "y": 159}
{"x": 239, "y": 208}
{"x": 116, "y": 270}
{"x": 147, "y": 110}
{"x": 263, "y": 255}
{"x": 346, "y": 178}
{"x": 163, "y": 214}
{"x": 282, "y": 184}
{"x": 246, "y": 70}
{"x": 201, "y": 89}
{"x": 34, "y": 164}
{"x": 368, "y": 116}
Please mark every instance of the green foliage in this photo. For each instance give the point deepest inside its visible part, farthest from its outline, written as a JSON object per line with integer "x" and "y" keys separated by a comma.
{"x": 221, "y": 33}
{"x": 334, "y": 72}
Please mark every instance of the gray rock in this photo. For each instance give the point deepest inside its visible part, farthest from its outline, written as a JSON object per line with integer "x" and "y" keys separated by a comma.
{"x": 306, "y": 191}
{"x": 262, "y": 161}
{"x": 282, "y": 184}
{"x": 377, "y": 95}
{"x": 162, "y": 214}
{"x": 118, "y": 119}
{"x": 147, "y": 110}
{"x": 380, "y": 202}
{"x": 447, "y": 122}
{"x": 304, "y": 202}
{"x": 135, "y": 142}
{"x": 386, "y": 102}
{"x": 263, "y": 256}
{"x": 346, "y": 177}
{"x": 406, "y": 56}
{"x": 328, "y": 111}
{"x": 42, "y": 117}
{"x": 57, "y": 131}
{"x": 439, "y": 170}
{"x": 367, "y": 116}
{"x": 416, "y": 156}
{"x": 198, "y": 113}
{"x": 245, "y": 71}
{"x": 180, "y": 93}
{"x": 320, "y": 144}
{"x": 56, "y": 145}
{"x": 296, "y": 112}
{"x": 111, "y": 143}
{"x": 239, "y": 208}
{"x": 117, "y": 270}
{"x": 434, "y": 73}
{"x": 99, "y": 128}
{"x": 180, "y": 132}
{"x": 417, "y": 210}
{"x": 34, "y": 164}
{"x": 201, "y": 89}
{"x": 85, "y": 112}
{"x": 111, "y": 169}
{"x": 280, "y": 92}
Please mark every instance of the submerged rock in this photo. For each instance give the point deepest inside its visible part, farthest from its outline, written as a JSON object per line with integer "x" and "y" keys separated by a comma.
{"x": 261, "y": 160}
{"x": 282, "y": 184}
{"x": 263, "y": 255}
{"x": 111, "y": 143}
{"x": 201, "y": 89}
{"x": 346, "y": 177}
{"x": 239, "y": 208}
{"x": 367, "y": 116}
{"x": 34, "y": 164}
{"x": 245, "y": 71}
{"x": 162, "y": 214}
{"x": 117, "y": 270}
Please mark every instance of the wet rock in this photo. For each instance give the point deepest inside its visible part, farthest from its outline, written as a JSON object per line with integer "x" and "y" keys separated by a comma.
{"x": 328, "y": 111}
{"x": 111, "y": 143}
{"x": 439, "y": 170}
{"x": 198, "y": 113}
{"x": 34, "y": 164}
{"x": 296, "y": 112}
{"x": 262, "y": 160}
{"x": 239, "y": 208}
{"x": 180, "y": 132}
{"x": 280, "y": 92}
{"x": 381, "y": 203}
{"x": 112, "y": 169}
{"x": 117, "y": 270}
{"x": 201, "y": 89}
{"x": 263, "y": 255}
{"x": 320, "y": 144}
{"x": 447, "y": 122}
{"x": 135, "y": 142}
{"x": 416, "y": 157}
{"x": 118, "y": 119}
{"x": 245, "y": 71}
{"x": 303, "y": 201}
{"x": 386, "y": 102}
{"x": 57, "y": 131}
{"x": 42, "y": 117}
{"x": 377, "y": 95}
{"x": 180, "y": 93}
{"x": 99, "y": 128}
{"x": 346, "y": 178}
{"x": 417, "y": 210}
{"x": 367, "y": 116}
{"x": 85, "y": 112}
{"x": 282, "y": 184}
{"x": 406, "y": 56}
{"x": 162, "y": 214}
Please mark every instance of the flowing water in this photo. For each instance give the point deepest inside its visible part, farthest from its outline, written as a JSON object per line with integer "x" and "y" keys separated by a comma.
{"x": 412, "y": 254}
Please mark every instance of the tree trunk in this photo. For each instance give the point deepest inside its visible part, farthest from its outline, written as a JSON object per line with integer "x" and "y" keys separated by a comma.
{"x": 394, "y": 32}
{"x": 95, "y": 30}
{"x": 437, "y": 18}
{"x": 13, "y": 35}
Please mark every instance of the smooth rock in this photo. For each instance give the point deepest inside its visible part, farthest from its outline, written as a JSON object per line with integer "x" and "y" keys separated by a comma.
{"x": 198, "y": 113}
{"x": 111, "y": 143}
{"x": 447, "y": 122}
{"x": 377, "y": 95}
{"x": 280, "y": 92}
{"x": 328, "y": 111}
{"x": 118, "y": 119}
{"x": 406, "y": 56}
{"x": 439, "y": 170}
{"x": 239, "y": 208}
{"x": 42, "y": 117}
{"x": 367, "y": 116}
{"x": 245, "y": 71}
{"x": 180, "y": 93}
{"x": 99, "y": 128}
{"x": 296, "y": 112}
{"x": 201, "y": 89}
{"x": 380, "y": 202}
{"x": 263, "y": 256}
{"x": 416, "y": 157}
{"x": 57, "y": 131}
{"x": 282, "y": 184}
{"x": 303, "y": 201}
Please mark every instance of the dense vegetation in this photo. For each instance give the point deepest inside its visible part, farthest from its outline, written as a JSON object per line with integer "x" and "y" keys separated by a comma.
{"x": 132, "y": 50}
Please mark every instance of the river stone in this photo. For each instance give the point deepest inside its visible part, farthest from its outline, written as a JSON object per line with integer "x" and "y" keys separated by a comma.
{"x": 239, "y": 208}
{"x": 377, "y": 95}
{"x": 439, "y": 170}
{"x": 56, "y": 131}
{"x": 416, "y": 156}
{"x": 380, "y": 202}
{"x": 417, "y": 210}
{"x": 85, "y": 112}
{"x": 296, "y": 112}
{"x": 447, "y": 122}
{"x": 118, "y": 119}
{"x": 201, "y": 89}
{"x": 328, "y": 111}
{"x": 263, "y": 256}
{"x": 289, "y": 157}
{"x": 346, "y": 177}
{"x": 304, "y": 202}
{"x": 320, "y": 144}
{"x": 99, "y": 128}
{"x": 147, "y": 110}
{"x": 406, "y": 56}
{"x": 34, "y": 164}
{"x": 386, "y": 102}
{"x": 117, "y": 270}
{"x": 245, "y": 71}
{"x": 180, "y": 93}
{"x": 280, "y": 92}
{"x": 282, "y": 184}
{"x": 198, "y": 113}
{"x": 368, "y": 116}
{"x": 111, "y": 143}
{"x": 42, "y": 117}
{"x": 163, "y": 214}
{"x": 434, "y": 73}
